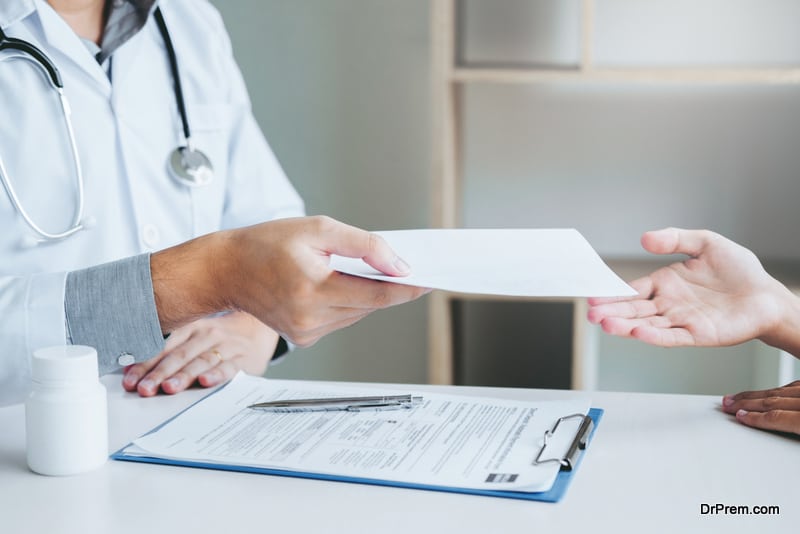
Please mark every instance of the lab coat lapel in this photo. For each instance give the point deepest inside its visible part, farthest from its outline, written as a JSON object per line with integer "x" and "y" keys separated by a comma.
{"x": 62, "y": 39}
{"x": 128, "y": 53}
{"x": 126, "y": 56}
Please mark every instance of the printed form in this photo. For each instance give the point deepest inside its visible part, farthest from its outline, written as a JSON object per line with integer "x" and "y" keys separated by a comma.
{"x": 448, "y": 440}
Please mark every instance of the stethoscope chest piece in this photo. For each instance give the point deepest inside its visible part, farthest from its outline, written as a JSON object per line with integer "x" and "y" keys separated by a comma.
{"x": 190, "y": 167}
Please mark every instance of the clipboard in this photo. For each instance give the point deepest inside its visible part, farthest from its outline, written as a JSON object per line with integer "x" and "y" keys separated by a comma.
{"x": 569, "y": 464}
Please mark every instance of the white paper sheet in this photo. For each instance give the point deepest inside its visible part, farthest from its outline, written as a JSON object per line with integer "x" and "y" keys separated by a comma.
{"x": 458, "y": 441}
{"x": 521, "y": 262}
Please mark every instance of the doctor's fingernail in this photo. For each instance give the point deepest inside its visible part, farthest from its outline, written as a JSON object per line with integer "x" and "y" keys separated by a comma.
{"x": 401, "y": 266}
{"x": 741, "y": 413}
{"x": 172, "y": 383}
{"x": 147, "y": 384}
{"x": 130, "y": 379}
{"x": 210, "y": 378}
{"x": 727, "y": 400}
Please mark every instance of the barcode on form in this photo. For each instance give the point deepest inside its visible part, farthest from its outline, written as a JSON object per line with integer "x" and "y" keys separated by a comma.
{"x": 501, "y": 477}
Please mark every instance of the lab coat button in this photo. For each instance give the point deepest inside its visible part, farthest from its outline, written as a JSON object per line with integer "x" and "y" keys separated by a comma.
{"x": 150, "y": 235}
{"x": 125, "y": 359}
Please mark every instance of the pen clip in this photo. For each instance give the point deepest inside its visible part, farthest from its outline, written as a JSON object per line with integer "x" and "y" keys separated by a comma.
{"x": 380, "y": 407}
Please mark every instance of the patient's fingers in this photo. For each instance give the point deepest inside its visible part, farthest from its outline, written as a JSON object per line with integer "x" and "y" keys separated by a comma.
{"x": 665, "y": 337}
{"x": 789, "y": 390}
{"x": 764, "y": 404}
{"x": 779, "y": 420}
{"x": 643, "y": 286}
{"x": 630, "y": 309}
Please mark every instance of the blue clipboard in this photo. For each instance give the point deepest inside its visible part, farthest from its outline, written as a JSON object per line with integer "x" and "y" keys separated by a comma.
{"x": 554, "y": 494}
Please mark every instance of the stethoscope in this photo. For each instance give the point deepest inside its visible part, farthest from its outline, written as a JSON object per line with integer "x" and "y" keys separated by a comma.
{"x": 186, "y": 164}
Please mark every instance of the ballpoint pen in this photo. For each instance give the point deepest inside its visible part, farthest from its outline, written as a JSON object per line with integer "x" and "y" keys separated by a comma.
{"x": 350, "y": 404}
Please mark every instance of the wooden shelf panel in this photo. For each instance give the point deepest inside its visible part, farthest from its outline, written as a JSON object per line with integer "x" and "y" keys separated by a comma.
{"x": 629, "y": 269}
{"x": 786, "y": 271}
{"x": 755, "y": 76}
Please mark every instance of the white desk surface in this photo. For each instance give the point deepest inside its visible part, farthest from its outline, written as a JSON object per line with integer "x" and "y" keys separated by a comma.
{"x": 654, "y": 460}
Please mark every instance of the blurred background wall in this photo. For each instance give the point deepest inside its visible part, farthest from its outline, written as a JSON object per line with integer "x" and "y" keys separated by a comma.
{"x": 342, "y": 91}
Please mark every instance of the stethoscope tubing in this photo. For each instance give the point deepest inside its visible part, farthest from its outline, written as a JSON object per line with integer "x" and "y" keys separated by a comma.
{"x": 176, "y": 75}
{"x": 76, "y": 224}
{"x": 40, "y": 59}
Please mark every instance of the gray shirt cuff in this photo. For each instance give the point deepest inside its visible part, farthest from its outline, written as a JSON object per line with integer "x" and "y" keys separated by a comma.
{"x": 111, "y": 307}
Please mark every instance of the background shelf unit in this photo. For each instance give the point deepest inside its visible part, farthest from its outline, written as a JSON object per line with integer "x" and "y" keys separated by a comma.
{"x": 450, "y": 77}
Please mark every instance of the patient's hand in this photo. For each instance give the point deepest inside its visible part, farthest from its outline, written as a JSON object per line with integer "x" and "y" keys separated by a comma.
{"x": 770, "y": 409}
{"x": 720, "y": 296}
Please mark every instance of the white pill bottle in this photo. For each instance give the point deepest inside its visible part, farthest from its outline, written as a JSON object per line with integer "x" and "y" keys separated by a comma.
{"x": 66, "y": 414}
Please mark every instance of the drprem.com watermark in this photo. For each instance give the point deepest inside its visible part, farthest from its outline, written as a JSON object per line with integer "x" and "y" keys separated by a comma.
{"x": 727, "y": 509}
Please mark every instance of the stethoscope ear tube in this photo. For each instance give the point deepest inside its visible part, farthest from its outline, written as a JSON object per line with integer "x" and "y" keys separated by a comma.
{"x": 11, "y": 43}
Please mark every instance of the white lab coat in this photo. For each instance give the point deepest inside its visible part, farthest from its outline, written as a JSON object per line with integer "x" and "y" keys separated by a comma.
{"x": 125, "y": 131}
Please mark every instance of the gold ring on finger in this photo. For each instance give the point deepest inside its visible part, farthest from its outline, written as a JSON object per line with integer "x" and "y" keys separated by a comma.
{"x": 216, "y": 353}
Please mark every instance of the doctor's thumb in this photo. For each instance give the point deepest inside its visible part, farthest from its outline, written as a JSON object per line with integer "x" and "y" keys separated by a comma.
{"x": 352, "y": 242}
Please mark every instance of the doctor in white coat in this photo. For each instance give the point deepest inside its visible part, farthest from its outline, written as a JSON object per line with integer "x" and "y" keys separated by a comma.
{"x": 123, "y": 204}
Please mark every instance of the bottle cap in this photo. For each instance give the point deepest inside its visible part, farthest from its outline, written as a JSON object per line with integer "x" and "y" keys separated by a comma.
{"x": 62, "y": 365}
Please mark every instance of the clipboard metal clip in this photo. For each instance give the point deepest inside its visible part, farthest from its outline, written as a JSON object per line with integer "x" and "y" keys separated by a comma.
{"x": 578, "y": 444}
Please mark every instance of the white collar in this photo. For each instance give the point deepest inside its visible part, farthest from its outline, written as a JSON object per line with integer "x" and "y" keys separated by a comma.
{"x": 12, "y": 11}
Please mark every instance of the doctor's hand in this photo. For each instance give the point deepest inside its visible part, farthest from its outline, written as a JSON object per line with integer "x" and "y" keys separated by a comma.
{"x": 207, "y": 352}
{"x": 279, "y": 272}
{"x": 720, "y": 296}
{"x": 770, "y": 409}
